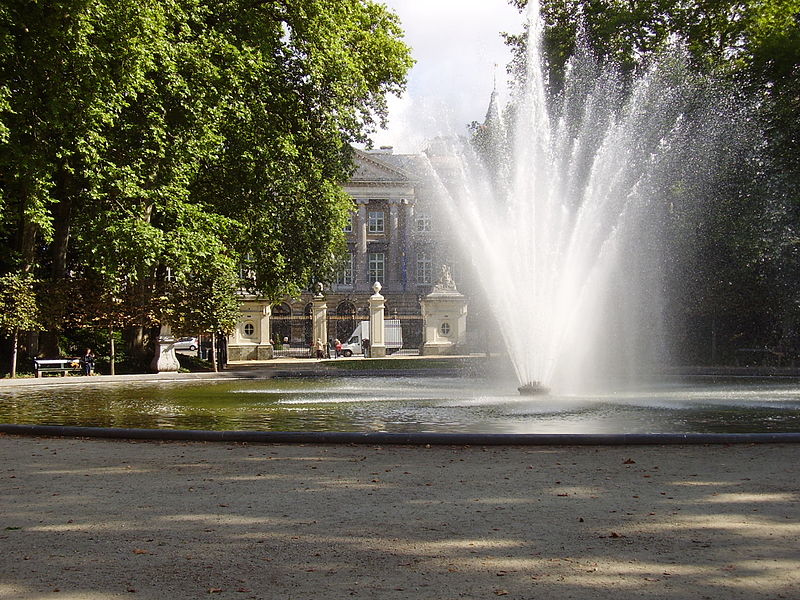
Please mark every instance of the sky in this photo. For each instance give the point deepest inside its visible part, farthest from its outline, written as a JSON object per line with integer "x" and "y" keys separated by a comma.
{"x": 456, "y": 44}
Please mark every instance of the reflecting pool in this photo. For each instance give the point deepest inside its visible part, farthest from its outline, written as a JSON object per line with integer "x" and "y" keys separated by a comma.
{"x": 407, "y": 404}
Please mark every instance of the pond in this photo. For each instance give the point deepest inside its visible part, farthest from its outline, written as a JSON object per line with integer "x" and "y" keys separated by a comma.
{"x": 406, "y": 404}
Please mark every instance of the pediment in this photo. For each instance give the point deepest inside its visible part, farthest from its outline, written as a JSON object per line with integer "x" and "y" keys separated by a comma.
{"x": 371, "y": 169}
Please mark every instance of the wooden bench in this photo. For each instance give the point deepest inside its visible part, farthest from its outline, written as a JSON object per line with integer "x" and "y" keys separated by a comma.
{"x": 56, "y": 365}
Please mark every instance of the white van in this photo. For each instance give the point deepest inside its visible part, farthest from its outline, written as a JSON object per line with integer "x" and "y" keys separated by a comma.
{"x": 392, "y": 337}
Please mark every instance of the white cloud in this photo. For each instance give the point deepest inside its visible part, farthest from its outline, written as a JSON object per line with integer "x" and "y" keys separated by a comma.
{"x": 456, "y": 44}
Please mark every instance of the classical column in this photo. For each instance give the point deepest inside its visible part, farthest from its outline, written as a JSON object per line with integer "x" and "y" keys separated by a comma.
{"x": 377, "y": 345}
{"x": 406, "y": 249}
{"x": 360, "y": 255}
{"x": 393, "y": 268}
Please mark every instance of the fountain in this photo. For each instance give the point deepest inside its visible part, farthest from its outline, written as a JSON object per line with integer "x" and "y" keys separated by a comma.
{"x": 532, "y": 388}
{"x": 565, "y": 230}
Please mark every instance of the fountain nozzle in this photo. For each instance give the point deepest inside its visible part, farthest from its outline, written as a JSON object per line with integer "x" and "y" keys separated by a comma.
{"x": 532, "y": 388}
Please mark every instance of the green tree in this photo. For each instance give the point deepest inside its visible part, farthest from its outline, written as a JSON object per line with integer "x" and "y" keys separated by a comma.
{"x": 140, "y": 136}
{"x": 206, "y": 301}
{"x": 18, "y": 310}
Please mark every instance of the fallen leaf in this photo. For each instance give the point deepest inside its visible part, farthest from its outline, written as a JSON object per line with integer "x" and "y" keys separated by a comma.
{"x": 628, "y": 461}
{"x": 140, "y": 551}
{"x": 501, "y": 592}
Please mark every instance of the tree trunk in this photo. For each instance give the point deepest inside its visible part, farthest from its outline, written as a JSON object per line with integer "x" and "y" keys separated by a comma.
{"x": 15, "y": 345}
{"x": 113, "y": 353}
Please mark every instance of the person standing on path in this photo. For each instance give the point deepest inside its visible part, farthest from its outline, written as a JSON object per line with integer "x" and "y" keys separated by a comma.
{"x": 87, "y": 362}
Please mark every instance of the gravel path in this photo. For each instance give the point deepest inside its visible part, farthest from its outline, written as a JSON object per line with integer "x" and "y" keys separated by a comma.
{"x": 92, "y": 519}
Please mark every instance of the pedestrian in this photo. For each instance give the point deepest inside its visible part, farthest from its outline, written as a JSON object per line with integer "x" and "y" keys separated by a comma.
{"x": 320, "y": 349}
{"x": 87, "y": 362}
{"x": 365, "y": 347}
{"x": 337, "y": 347}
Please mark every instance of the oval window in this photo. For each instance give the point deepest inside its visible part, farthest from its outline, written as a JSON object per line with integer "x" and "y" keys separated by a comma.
{"x": 249, "y": 329}
{"x": 444, "y": 328}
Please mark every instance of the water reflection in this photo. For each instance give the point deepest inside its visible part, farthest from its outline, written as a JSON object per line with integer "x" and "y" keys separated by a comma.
{"x": 405, "y": 404}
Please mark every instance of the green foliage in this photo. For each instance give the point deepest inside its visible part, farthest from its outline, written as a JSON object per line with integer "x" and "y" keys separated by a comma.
{"x": 206, "y": 300}
{"x": 146, "y": 148}
{"x": 18, "y": 308}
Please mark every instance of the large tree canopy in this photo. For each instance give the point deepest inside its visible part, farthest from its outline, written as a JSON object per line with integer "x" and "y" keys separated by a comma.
{"x": 163, "y": 141}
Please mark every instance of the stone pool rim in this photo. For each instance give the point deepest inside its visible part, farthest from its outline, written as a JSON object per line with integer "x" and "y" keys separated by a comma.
{"x": 404, "y": 439}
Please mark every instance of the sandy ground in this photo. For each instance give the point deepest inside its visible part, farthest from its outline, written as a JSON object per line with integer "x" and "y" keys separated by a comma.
{"x": 90, "y": 519}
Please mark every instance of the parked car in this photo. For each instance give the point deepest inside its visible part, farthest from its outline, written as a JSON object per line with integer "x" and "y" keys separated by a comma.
{"x": 186, "y": 343}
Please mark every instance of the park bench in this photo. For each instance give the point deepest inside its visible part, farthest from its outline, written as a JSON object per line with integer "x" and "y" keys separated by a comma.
{"x": 56, "y": 365}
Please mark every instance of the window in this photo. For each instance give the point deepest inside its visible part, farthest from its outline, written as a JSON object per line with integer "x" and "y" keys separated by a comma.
{"x": 376, "y": 261}
{"x": 345, "y": 275}
{"x": 424, "y": 268}
{"x": 349, "y": 227}
{"x": 169, "y": 276}
{"x": 249, "y": 329}
{"x": 375, "y": 221}
{"x": 423, "y": 221}
{"x": 444, "y": 328}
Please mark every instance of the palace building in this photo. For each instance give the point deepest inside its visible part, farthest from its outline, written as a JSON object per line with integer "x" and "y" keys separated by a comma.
{"x": 396, "y": 237}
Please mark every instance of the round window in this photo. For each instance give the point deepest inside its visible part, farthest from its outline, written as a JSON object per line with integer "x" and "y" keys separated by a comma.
{"x": 249, "y": 329}
{"x": 444, "y": 328}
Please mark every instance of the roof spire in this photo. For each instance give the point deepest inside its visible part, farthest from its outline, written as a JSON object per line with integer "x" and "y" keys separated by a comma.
{"x": 493, "y": 112}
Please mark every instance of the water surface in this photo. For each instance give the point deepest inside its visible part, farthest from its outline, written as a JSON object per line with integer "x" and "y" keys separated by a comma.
{"x": 406, "y": 404}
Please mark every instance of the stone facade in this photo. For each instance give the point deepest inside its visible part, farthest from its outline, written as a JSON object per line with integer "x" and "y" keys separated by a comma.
{"x": 251, "y": 338}
{"x": 396, "y": 237}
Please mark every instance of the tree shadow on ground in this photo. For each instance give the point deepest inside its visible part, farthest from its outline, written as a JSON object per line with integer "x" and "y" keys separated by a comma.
{"x": 107, "y": 519}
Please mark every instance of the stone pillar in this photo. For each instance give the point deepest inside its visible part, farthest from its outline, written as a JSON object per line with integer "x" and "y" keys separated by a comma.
{"x": 360, "y": 254}
{"x": 444, "y": 318}
{"x": 319, "y": 317}
{"x": 165, "y": 359}
{"x": 263, "y": 326}
{"x": 377, "y": 344}
{"x": 264, "y": 351}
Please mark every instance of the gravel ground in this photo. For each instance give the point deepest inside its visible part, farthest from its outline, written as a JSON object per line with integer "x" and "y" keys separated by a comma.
{"x": 92, "y": 519}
